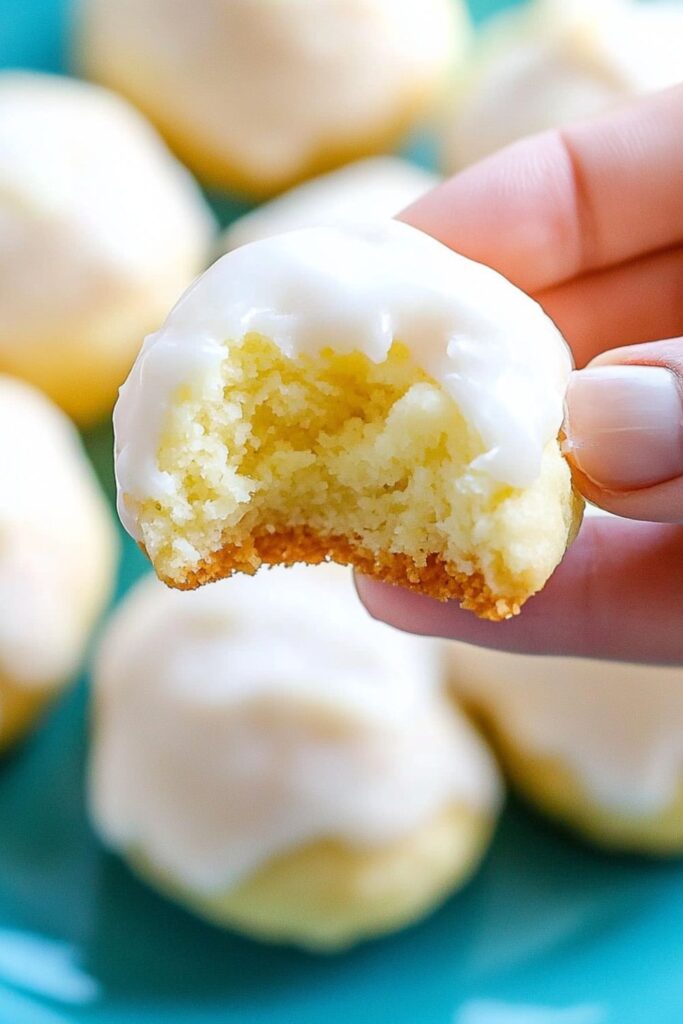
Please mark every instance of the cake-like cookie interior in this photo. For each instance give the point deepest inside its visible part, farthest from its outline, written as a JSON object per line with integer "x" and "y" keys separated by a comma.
{"x": 333, "y": 455}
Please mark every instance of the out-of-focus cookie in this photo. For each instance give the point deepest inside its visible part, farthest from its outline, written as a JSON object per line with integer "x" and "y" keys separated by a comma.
{"x": 57, "y": 554}
{"x": 597, "y": 745}
{"x": 367, "y": 190}
{"x": 270, "y": 756}
{"x": 100, "y": 231}
{"x": 259, "y": 96}
{"x": 555, "y": 61}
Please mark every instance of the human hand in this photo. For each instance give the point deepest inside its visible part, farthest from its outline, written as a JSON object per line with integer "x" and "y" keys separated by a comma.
{"x": 589, "y": 220}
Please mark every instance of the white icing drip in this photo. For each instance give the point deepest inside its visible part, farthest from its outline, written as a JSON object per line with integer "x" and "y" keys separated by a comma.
{"x": 358, "y": 288}
{"x": 263, "y": 713}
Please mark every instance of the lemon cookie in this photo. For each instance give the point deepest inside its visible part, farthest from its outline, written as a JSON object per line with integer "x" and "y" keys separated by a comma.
{"x": 368, "y": 190}
{"x": 259, "y": 95}
{"x": 555, "y": 61}
{"x": 270, "y": 756}
{"x": 57, "y": 554}
{"x": 358, "y": 394}
{"x": 100, "y": 231}
{"x": 596, "y": 745}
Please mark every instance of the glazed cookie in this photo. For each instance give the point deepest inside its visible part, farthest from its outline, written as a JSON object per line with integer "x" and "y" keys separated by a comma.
{"x": 555, "y": 61}
{"x": 258, "y": 96}
{"x": 368, "y": 190}
{"x": 596, "y": 745}
{"x": 272, "y": 757}
{"x": 100, "y": 231}
{"x": 57, "y": 553}
{"x": 364, "y": 395}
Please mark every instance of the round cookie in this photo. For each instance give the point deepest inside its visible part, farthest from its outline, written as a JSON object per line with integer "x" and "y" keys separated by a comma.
{"x": 554, "y": 61}
{"x": 367, "y": 190}
{"x": 596, "y": 745}
{"x": 269, "y": 755}
{"x": 57, "y": 554}
{"x": 362, "y": 394}
{"x": 100, "y": 231}
{"x": 259, "y": 96}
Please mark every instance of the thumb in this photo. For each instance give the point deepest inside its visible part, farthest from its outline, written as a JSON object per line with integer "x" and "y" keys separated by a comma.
{"x": 624, "y": 430}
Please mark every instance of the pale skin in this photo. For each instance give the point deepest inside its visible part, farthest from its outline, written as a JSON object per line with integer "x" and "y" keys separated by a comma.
{"x": 589, "y": 220}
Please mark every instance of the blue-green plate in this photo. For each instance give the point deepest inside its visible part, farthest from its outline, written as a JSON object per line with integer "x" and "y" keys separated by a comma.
{"x": 549, "y": 932}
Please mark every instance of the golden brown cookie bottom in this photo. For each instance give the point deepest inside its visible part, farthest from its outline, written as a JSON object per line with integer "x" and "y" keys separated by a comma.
{"x": 437, "y": 578}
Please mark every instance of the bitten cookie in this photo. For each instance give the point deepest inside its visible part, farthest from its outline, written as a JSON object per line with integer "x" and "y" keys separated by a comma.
{"x": 364, "y": 395}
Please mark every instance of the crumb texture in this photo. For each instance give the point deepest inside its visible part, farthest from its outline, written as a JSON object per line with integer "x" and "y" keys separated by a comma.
{"x": 334, "y": 456}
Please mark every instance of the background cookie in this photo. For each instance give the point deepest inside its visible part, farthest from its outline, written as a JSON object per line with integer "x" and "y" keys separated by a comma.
{"x": 554, "y": 61}
{"x": 596, "y": 745}
{"x": 100, "y": 231}
{"x": 269, "y": 755}
{"x": 258, "y": 96}
{"x": 366, "y": 190}
{"x": 57, "y": 553}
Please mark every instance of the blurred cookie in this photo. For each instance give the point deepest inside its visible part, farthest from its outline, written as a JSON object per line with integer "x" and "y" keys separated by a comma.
{"x": 368, "y": 190}
{"x": 258, "y": 96}
{"x": 100, "y": 232}
{"x": 554, "y": 61}
{"x": 594, "y": 744}
{"x": 269, "y": 755}
{"x": 57, "y": 554}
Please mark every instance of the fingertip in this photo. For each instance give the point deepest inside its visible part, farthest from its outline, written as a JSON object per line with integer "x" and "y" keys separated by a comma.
{"x": 369, "y": 593}
{"x": 391, "y": 604}
{"x": 564, "y": 203}
{"x": 661, "y": 503}
{"x": 624, "y": 431}
{"x": 402, "y": 608}
{"x": 415, "y": 613}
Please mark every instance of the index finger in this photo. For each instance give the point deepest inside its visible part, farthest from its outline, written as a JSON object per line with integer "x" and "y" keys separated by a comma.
{"x": 565, "y": 203}
{"x": 616, "y": 595}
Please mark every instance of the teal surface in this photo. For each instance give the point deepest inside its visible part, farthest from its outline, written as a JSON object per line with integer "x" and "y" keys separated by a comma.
{"x": 548, "y": 932}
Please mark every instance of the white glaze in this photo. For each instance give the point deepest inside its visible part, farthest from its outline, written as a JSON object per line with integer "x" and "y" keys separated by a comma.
{"x": 557, "y": 61}
{"x": 262, "y": 713}
{"x": 358, "y": 288}
{"x": 56, "y": 540}
{"x": 367, "y": 190}
{"x": 97, "y": 220}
